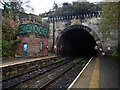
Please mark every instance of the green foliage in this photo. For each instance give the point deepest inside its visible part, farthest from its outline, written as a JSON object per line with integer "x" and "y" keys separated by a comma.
{"x": 118, "y": 50}
{"x": 76, "y": 7}
{"x": 58, "y": 60}
{"x": 116, "y": 53}
{"x": 16, "y": 5}
{"x": 83, "y": 65}
{"x": 109, "y": 20}
{"x": 9, "y": 36}
{"x": 50, "y": 54}
{"x": 10, "y": 26}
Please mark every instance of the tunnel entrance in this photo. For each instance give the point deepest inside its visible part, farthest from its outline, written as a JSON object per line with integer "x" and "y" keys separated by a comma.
{"x": 76, "y": 42}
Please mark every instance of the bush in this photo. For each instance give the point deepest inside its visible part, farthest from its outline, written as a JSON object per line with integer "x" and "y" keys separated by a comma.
{"x": 118, "y": 50}
{"x": 116, "y": 53}
{"x": 9, "y": 35}
{"x": 50, "y": 54}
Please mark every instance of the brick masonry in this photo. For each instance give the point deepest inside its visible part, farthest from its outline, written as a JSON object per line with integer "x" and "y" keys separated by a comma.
{"x": 33, "y": 45}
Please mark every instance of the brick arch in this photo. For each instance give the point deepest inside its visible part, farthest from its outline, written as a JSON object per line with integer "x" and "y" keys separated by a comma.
{"x": 95, "y": 36}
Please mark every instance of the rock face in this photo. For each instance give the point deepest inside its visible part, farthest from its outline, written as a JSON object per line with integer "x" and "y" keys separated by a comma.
{"x": 59, "y": 23}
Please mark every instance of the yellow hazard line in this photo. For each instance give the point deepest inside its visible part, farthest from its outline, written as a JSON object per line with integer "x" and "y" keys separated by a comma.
{"x": 94, "y": 83}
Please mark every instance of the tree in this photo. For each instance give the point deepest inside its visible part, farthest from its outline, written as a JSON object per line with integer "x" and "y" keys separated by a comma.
{"x": 76, "y": 7}
{"x": 9, "y": 35}
{"x": 16, "y": 5}
{"x": 10, "y": 25}
{"x": 55, "y": 7}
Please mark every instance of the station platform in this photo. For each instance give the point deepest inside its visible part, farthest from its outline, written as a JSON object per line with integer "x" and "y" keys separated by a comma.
{"x": 101, "y": 72}
{"x": 20, "y": 60}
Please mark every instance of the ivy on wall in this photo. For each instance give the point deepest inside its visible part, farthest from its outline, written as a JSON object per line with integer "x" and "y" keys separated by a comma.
{"x": 109, "y": 25}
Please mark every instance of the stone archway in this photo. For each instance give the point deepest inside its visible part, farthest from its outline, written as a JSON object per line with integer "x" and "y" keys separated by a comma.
{"x": 75, "y": 29}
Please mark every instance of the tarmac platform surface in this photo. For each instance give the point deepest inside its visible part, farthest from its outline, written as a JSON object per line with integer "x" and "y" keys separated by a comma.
{"x": 20, "y": 60}
{"x": 102, "y": 72}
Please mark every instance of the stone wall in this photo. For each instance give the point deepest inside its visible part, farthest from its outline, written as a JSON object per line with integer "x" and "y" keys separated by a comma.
{"x": 93, "y": 24}
{"x": 61, "y": 24}
{"x": 18, "y": 69}
{"x": 91, "y": 21}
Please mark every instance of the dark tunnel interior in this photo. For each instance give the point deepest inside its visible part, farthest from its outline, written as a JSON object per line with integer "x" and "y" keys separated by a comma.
{"x": 76, "y": 43}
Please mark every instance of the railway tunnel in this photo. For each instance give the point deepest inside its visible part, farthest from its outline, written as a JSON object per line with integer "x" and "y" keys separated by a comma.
{"x": 75, "y": 42}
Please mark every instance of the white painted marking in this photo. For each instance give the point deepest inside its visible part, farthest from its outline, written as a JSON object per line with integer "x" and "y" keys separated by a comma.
{"x": 79, "y": 75}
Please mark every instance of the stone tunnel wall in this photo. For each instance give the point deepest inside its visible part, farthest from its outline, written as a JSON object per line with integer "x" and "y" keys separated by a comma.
{"x": 61, "y": 24}
{"x": 58, "y": 27}
{"x": 91, "y": 22}
{"x": 22, "y": 68}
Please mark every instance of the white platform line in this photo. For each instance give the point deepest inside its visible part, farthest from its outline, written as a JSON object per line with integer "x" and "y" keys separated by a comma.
{"x": 79, "y": 74}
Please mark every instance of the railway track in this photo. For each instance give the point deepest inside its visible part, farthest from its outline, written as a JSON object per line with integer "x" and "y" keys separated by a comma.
{"x": 47, "y": 78}
{"x": 42, "y": 78}
{"x": 65, "y": 80}
{"x": 9, "y": 83}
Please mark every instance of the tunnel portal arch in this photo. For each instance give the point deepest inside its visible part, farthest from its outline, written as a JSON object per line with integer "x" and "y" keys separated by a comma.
{"x": 74, "y": 29}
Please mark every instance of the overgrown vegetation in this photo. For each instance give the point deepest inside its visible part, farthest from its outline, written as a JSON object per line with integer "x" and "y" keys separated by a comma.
{"x": 10, "y": 24}
{"x": 9, "y": 35}
{"x": 13, "y": 14}
{"x": 58, "y": 60}
{"x": 109, "y": 20}
{"x": 50, "y": 54}
{"x": 109, "y": 24}
{"x": 16, "y": 5}
{"x": 116, "y": 53}
{"x": 83, "y": 65}
{"x": 74, "y": 8}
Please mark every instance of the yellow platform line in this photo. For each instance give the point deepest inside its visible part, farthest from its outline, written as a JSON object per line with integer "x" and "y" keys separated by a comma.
{"x": 94, "y": 83}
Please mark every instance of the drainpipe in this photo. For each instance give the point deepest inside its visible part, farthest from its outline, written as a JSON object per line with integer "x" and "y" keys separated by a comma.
{"x": 47, "y": 43}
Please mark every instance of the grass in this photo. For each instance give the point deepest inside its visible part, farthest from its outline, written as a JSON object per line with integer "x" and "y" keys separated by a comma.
{"x": 50, "y": 54}
{"x": 58, "y": 60}
{"x": 83, "y": 65}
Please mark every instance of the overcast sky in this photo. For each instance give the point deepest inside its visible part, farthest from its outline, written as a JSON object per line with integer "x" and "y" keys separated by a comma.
{"x": 41, "y": 6}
